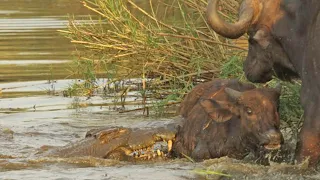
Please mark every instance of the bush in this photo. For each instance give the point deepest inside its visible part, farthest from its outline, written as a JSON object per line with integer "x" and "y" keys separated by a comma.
{"x": 166, "y": 45}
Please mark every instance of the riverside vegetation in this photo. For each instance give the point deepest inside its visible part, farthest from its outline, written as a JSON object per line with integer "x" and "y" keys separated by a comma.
{"x": 167, "y": 48}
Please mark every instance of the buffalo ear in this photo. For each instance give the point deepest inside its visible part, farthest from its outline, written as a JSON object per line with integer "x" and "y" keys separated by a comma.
{"x": 215, "y": 111}
{"x": 274, "y": 93}
{"x": 261, "y": 37}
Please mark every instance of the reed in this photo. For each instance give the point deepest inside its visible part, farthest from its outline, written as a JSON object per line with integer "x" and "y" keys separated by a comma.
{"x": 165, "y": 44}
{"x": 166, "y": 41}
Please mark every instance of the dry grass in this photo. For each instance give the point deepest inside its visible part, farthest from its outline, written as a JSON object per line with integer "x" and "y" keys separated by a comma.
{"x": 168, "y": 41}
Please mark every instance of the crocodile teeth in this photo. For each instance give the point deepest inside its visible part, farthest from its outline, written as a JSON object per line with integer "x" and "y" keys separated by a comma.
{"x": 158, "y": 152}
{"x": 135, "y": 154}
{"x": 169, "y": 145}
{"x": 143, "y": 156}
{"x": 143, "y": 151}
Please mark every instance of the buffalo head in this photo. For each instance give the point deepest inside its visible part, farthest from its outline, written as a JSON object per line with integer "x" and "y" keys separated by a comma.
{"x": 229, "y": 118}
{"x": 256, "y": 111}
{"x": 266, "y": 56}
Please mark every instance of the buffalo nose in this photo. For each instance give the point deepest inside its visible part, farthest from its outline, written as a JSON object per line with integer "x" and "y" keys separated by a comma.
{"x": 274, "y": 137}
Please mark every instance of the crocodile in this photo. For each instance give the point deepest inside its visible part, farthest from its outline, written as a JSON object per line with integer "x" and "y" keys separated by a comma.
{"x": 217, "y": 118}
{"x": 121, "y": 143}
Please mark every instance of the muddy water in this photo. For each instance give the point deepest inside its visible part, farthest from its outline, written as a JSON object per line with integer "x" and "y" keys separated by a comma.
{"x": 33, "y": 70}
{"x": 34, "y": 62}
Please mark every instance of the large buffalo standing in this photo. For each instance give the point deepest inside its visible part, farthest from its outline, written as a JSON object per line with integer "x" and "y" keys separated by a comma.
{"x": 284, "y": 39}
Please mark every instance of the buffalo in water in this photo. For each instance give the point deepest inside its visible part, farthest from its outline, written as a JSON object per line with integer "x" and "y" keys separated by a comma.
{"x": 228, "y": 118}
{"x": 284, "y": 40}
{"x": 218, "y": 118}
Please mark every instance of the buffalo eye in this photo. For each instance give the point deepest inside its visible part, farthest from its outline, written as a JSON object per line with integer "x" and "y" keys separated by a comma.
{"x": 251, "y": 40}
{"x": 249, "y": 111}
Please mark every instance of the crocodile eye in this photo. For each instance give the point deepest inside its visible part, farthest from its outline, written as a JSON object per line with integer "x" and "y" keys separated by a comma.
{"x": 249, "y": 111}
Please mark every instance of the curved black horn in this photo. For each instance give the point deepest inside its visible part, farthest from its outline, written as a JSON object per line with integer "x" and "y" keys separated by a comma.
{"x": 248, "y": 11}
{"x": 233, "y": 93}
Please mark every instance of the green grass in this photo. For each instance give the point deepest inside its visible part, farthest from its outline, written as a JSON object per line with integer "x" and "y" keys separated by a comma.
{"x": 233, "y": 69}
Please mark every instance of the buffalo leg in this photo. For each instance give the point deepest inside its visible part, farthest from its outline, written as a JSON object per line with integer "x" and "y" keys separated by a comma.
{"x": 308, "y": 146}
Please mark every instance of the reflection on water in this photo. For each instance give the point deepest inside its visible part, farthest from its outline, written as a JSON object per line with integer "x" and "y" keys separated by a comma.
{"x": 28, "y": 31}
{"x": 31, "y": 53}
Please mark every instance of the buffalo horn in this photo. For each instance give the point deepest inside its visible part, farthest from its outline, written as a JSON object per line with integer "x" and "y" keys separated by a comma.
{"x": 233, "y": 93}
{"x": 249, "y": 13}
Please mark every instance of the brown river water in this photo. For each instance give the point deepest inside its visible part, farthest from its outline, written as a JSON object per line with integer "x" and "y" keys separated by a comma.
{"x": 33, "y": 72}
